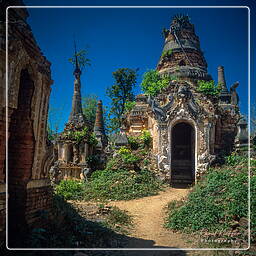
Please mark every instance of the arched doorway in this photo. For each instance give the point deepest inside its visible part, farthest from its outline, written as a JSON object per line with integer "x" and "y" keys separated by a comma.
{"x": 21, "y": 146}
{"x": 182, "y": 154}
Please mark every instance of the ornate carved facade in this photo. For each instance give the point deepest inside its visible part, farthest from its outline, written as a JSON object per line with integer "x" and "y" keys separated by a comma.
{"x": 29, "y": 153}
{"x": 189, "y": 128}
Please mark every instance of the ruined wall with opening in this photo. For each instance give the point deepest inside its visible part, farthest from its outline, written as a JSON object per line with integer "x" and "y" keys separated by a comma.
{"x": 29, "y": 153}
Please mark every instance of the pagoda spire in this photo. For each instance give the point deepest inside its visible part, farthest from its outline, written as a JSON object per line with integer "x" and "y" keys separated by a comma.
{"x": 99, "y": 130}
{"x": 225, "y": 96}
{"x": 76, "y": 112}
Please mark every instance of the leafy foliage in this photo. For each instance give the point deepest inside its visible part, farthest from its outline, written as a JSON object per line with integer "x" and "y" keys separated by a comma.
{"x": 70, "y": 189}
{"x": 208, "y": 87}
{"x": 129, "y": 106}
{"x": 235, "y": 159}
{"x": 121, "y": 185}
{"x": 166, "y": 53}
{"x": 153, "y": 83}
{"x": 120, "y": 93}
{"x": 89, "y": 106}
{"x": 82, "y": 59}
{"x": 215, "y": 202}
{"x": 92, "y": 140}
{"x": 142, "y": 141}
{"x": 78, "y": 136}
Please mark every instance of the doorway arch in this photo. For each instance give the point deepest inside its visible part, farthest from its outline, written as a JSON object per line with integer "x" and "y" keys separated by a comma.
{"x": 183, "y": 153}
{"x": 21, "y": 146}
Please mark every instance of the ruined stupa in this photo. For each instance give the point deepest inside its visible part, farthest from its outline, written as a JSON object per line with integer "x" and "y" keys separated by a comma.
{"x": 73, "y": 144}
{"x": 99, "y": 129}
{"x": 190, "y": 128}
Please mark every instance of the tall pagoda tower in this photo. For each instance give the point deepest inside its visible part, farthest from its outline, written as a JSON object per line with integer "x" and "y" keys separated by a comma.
{"x": 76, "y": 114}
{"x": 182, "y": 56}
{"x": 73, "y": 144}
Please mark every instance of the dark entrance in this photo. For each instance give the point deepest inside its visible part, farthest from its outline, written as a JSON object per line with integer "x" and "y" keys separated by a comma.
{"x": 21, "y": 147}
{"x": 183, "y": 154}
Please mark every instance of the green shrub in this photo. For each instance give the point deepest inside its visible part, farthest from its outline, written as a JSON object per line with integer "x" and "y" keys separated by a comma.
{"x": 208, "y": 87}
{"x": 153, "y": 83}
{"x": 142, "y": 141}
{"x": 134, "y": 142}
{"x": 166, "y": 53}
{"x": 70, "y": 189}
{"x": 128, "y": 106}
{"x": 146, "y": 138}
{"x": 215, "y": 202}
{"x": 92, "y": 140}
{"x": 121, "y": 185}
{"x": 124, "y": 150}
{"x": 235, "y": 159}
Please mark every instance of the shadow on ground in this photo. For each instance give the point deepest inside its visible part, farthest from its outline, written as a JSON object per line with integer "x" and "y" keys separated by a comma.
{"x": 68, "y": 229}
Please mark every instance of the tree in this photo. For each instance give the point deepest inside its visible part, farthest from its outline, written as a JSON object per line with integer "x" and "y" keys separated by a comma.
{"x": 120, "y": 93}
{"x": 89, "y": 106}
{"x": 82, "y": 59}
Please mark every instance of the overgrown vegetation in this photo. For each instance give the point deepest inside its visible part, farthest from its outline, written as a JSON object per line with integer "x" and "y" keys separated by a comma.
{"x": 166, "y": 53}
{"x": 120, "y": 93}
{"x": 121, "y": 184}
{"x": 128, "y": 106}
{"x": 208, "y": 87}
{"x": 81, "y": 59}
{"x": 218, "y": 203}
{"x": 142, "y": 141}
{"x": 153, "y": 83}
{"x": 125, "y": 177}
{"x": 70, "y": 189}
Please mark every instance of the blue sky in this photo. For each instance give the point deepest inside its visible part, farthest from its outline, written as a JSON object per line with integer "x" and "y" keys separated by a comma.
{"x": 126, "y": 37}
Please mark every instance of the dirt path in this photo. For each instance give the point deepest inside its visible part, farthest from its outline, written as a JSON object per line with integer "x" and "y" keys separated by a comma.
{"x": 148, "y": 214}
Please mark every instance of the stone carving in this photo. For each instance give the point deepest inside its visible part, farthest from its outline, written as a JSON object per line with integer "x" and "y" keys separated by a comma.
{"x": 234, "y": 95}
{"x": 55, "y": 173}
{"x": 85, "y": 172}
{"x": 157, "y": 110}
{"x": 212, "y": 120}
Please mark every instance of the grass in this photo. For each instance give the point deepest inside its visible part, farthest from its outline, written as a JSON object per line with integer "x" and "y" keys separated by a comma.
{"x": 118, "y": 220}
{"x": 70, "y": 189}
{"x": 218, "y": 203}
{"x": 121, "y": 185}
{"x": 125, "y": 177}
{"x": 114, "y": 185}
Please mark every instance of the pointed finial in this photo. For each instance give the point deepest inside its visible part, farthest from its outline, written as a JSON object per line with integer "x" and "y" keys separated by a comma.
{"x": 77, "y": 71}
{"x": 77, "y": 67}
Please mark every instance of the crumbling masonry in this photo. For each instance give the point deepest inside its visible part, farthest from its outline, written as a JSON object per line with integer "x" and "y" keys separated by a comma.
{"x": 29, "y": 153}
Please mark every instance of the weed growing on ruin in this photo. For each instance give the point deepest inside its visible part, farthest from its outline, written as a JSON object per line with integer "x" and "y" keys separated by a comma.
{"x": 142, "y": 141}
{"x": 153, "y": 83}
{"x": 166, "y": 53}
{"x": 208, "y": 88}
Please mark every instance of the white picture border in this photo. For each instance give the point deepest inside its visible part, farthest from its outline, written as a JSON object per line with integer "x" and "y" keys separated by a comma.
{"x": 132, "y": 249}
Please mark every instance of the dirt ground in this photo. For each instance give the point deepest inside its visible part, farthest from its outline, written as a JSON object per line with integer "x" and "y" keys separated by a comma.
{"x": 148, "y": 232}
{"x": 148, "y": 216}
